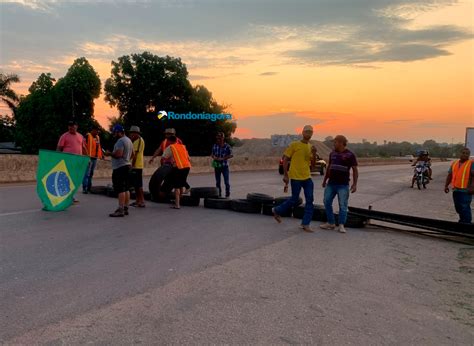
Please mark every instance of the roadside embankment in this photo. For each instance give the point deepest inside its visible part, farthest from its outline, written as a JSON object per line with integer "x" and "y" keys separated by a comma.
{"x": 22, "y": 168}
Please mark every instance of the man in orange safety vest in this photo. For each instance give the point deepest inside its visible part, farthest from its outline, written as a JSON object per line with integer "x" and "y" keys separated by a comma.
{"x": 181, "y": 165}
{"x": 94, "y": 150}
{"x": 460, "y": 177}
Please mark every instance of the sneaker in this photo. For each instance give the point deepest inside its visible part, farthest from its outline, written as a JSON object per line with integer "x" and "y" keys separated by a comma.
{"x": 118, "y": 213}
{"x": 342, "y": 229}
{"x": 306, "y": 228}
{"x": 327, "y": 226}
{"x": 125, "y": 210}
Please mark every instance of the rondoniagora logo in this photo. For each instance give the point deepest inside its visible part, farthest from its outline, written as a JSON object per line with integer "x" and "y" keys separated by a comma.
{"x": 194, "y": 116}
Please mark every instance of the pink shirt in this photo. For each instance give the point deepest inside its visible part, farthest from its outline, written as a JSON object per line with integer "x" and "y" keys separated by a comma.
{"x": 71, "y": 143}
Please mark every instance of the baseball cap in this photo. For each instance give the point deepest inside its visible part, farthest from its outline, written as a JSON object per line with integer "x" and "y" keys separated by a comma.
{"x": 118, "y": 128}
{"x": 135, "y": 129}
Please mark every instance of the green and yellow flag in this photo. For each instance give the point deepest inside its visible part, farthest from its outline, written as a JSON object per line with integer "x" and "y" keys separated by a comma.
{"x": 58, "y": 177}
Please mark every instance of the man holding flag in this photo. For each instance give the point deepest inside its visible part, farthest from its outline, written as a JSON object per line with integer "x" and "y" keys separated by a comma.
{"x": 60, "y": 172}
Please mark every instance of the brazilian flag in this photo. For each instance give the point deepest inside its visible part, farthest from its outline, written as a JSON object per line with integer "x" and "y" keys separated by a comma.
{"x": 58, "y": 177}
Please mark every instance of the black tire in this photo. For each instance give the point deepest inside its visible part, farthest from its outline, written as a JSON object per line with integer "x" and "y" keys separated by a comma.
{"x": 189, "y": 201}
{"x": 418, "y": 183}
{"x": 281, "y": 200}
{"x": 217, "y": 203}
{"x": 244, "y": 206}
{"x": 352, "y": 221}
{"x": 205, "y": 192}
{"x": 267, "y": 210}
{"x": 319, "y": 213}
{"x": 98, "y": 190}
{"x": 156, "y": 180}
{"x": 111, "y": 192}
{"x": 260, "y": 198}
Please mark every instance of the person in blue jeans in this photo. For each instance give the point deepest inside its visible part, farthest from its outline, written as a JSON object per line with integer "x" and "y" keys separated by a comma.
{"x": 336, "y": 182}
{"x": 221, "y": 153}
{"x": 461, "y": 178}
{"x": 301, "y": 153}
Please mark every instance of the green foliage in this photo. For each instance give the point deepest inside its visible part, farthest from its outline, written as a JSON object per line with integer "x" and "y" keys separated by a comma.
{"x": 42, "y": 115}
{"x": 7, "y": 128}
{"x": 142, "y": 85}
{"x": 7, "y": 95}
{"x": 393, "y": 149}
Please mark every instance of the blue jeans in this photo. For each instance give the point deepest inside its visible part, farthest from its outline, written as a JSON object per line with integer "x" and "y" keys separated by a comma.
{"x": 224, "y": 170}
{"x": 462, "y": 203}
{"x": 342, "y": 193}
{"x": 87, "y": 181}
{"x": 296, "y": 186}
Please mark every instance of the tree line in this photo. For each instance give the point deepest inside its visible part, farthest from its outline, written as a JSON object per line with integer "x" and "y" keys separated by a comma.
{"x": 394, "y": 149}
{"x": 140, "y": 86}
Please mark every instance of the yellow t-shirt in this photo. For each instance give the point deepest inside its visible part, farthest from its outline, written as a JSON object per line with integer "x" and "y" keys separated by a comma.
{"x": 138, "y": 149}
{"x": 300, "y": 155}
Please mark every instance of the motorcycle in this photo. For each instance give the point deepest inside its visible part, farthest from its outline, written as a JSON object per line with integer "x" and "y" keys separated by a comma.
{"x": 421, "y": 175}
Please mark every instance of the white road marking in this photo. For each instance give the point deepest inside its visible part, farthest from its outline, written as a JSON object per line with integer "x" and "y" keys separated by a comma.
{"x": 20, "y": 212}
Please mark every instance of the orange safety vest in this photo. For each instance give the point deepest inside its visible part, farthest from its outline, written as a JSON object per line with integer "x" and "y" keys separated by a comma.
{"x": 461, "y": 174}
{"x": 180, "y": 155}
{"x": 93, "y": 147}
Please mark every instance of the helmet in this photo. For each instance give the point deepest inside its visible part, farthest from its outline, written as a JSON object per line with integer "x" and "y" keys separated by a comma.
{"x": 118, "y": 128}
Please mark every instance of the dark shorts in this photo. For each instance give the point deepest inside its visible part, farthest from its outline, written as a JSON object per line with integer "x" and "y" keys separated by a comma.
{"x": 121, "y": 179}
{"x": 179, "y": 177}
{"x": 136, "y": 178}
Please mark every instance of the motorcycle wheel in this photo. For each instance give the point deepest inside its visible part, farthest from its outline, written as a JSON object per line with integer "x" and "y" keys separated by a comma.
{"x": 418, "y": 183}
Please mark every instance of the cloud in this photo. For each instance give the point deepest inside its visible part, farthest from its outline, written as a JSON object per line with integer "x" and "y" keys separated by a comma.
{"x": 269, "y": 73}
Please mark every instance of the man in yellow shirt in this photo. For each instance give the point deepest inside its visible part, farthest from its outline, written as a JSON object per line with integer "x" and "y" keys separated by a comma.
{"x": 136, "y": 174}
{"x": 300, "y": 153}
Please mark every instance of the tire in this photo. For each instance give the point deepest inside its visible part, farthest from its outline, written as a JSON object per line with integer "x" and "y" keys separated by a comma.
{"x": 352, "y": 221}
{"x": 260, "y": 198}
{"x": 156, "y": 180}
{"x": 267, "y": 210}
{"x": 98, "y": 190}
{"x": 189, "y": 201}
{"x": 111, "y": 192}
{"x": 147, "y": 195}
{"x": 204, "y": 192}
{"x": 418, "y": 184}
{"x": 319, "y": 213}
{"x": 217, "y": 203}
{"x": 281, "y": 200}
{"x": 244, "y": 206}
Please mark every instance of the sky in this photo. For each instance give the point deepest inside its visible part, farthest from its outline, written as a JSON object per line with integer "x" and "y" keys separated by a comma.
{"x": 369, "y": 69}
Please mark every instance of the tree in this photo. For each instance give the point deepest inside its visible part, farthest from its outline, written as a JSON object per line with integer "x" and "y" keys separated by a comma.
{"x": 7, "y": 95}
{"x": 142, "y": 85}
{"x": 7, "y": 128}
{"x": 42, "y": 115}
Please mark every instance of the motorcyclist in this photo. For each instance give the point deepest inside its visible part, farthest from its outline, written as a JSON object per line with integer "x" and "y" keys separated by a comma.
{"x": 423, "y": 158}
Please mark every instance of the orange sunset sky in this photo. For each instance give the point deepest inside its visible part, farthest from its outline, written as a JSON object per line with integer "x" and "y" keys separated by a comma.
{"x": 375, "y": 70}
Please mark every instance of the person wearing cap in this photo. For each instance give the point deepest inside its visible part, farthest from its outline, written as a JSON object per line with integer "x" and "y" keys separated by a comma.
{"x": 179, "y": 157}
{"x": 121, "y": 164}
{"x": 94, "y": 150}
{"x": 299, "y": 176}
{"x": 72, "y": 142}
{"x": 136, "y": 174}
{"x": 167, "y": 163}
{"x": 221, "y": 153}
{"x": 336, "y": 182}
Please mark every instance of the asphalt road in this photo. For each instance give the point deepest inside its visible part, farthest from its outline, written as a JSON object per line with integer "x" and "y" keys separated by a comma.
{"x": 204, "y": 276}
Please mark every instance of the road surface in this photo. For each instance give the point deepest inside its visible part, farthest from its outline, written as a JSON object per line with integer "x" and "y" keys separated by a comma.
{"x": 205, "y": 276}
